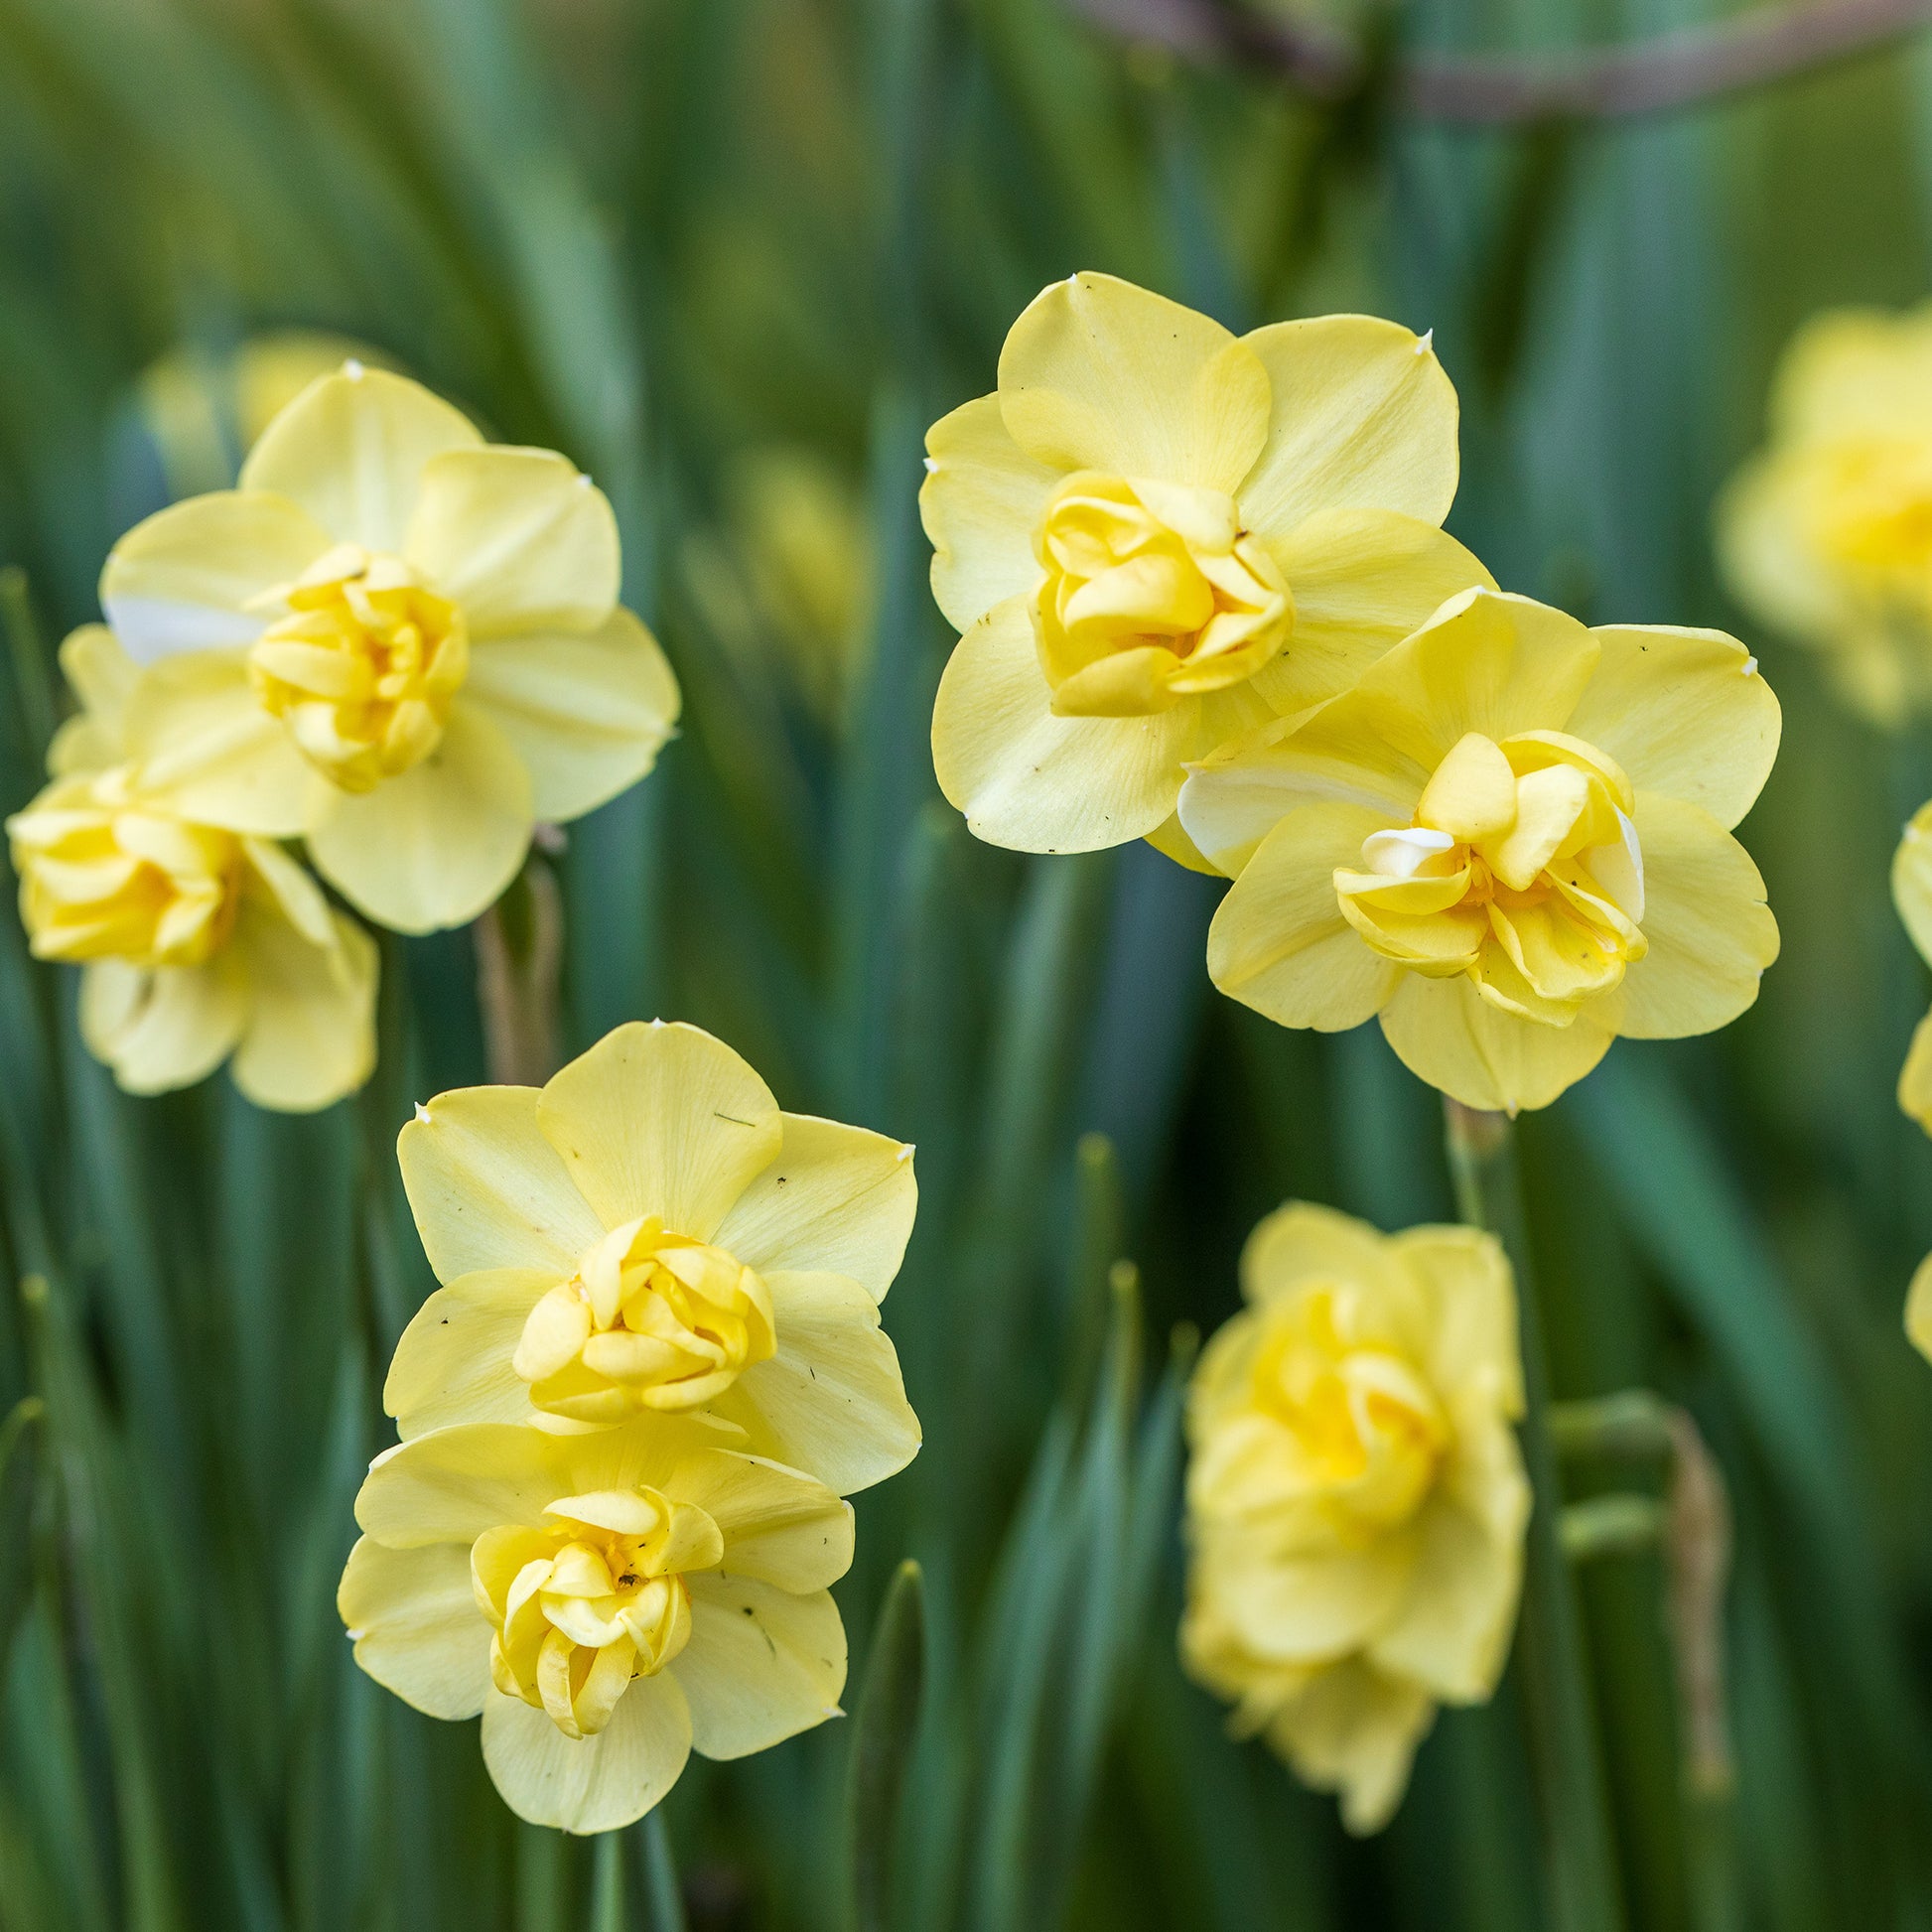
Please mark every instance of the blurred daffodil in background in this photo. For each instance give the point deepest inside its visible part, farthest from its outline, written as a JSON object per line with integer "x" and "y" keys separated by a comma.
{"x": 1510, "y": 841}
{"x": 1356, "y": 1497}
{"x": 198, "y": 944}
{"x": 607, "y": 1601}
{"x": 1825, "y": 535}
{"x": 1911, "y": 893}
{"x": 1155, "y": 535}
{"x": 649, "y": 1232}
{"x": 394, "y": 641}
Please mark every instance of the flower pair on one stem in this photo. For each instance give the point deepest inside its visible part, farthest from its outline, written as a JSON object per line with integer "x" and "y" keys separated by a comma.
{"x": 628, "y": 1418}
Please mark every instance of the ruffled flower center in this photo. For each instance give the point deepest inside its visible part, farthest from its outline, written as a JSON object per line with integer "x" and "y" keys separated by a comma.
{"x": 104, "y": 874}
{"x": 599, "y": 1598}
{"x": 1367, "y": 1431}
{"x": 652, "y": 1319}
{"x": 1520, "y": 867}
{"x": 1153, "y": 593}
{"x": 363, "y": 668}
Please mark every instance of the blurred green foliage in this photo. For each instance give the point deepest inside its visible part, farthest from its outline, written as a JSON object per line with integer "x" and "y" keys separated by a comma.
{"x": 733, "y": 255}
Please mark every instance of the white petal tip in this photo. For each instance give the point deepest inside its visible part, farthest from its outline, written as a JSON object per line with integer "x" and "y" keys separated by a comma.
{"x": 354, "y": 369}
{"x": 583, "y": 480}
{"x": 422, "y": 1114}
{"x": 932, "y": 466}
{"x": 1750, "y": 667}
{"x": 1426, "y": 341}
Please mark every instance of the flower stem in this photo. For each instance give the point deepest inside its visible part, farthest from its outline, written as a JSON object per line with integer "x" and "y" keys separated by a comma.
{"x": 1584, "y": 1896}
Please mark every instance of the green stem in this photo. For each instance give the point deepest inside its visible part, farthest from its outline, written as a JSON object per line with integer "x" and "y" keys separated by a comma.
{"x": 1584, "y": 1895}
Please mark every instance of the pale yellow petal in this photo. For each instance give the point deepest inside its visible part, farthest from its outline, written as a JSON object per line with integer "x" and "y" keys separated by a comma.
{"x": 1034, "y": 782}
{"x": 438, "y": 844}
{"x": 452, "y": 1484}
{"x": 1303, "y": 1240}
{"x": 286, "y": 888}
{"x": 1711, "y": 933}
{"x": 208, "y": 750}
{"x": 1098, "y": 374}
{"x": 1766, "y": 527}
{"x": 1685, "y": 713}
{"x": 1918, "y": 1309}
{"x": 837, "y": 1199}
{"x": 412, "y": 1616}
{"x": 350, "y": 449}
{"x": 599, "y": 1783}
{"x": 661, "y": 1120}
{"x": 198, "y": 575}
{"x": 522, "y": 539}
{"x": 762, "y": 1665}
{"x": 1169, "y": 839}
{"x": 489, "y": 1190}
{"x": 780, "y": 1527}
{"x": 164, "y": 1027}
{"x": 982, "y": 500}
{"x": 1444, "y": 1031}
{"x": 1915, "y": 1076}
{"x": 1363, "y": 418}
{"x": 452, "y": 1363}
{"x": 1305, "y": 1609}
{"x": 309, "y": 1037}
{"x": 1354, "y": 1730}
{"x": 1474, "y": 1344}
{"x": 1279, "y": 943}
{"x": 1362, "y": 580}
{"x": 1911, "y": 881}
{"x": 102, "y": 676}
{"x": 1856, "y": 373}
{"x": 587, "y": 713}
{"x": 831, "y": 1401}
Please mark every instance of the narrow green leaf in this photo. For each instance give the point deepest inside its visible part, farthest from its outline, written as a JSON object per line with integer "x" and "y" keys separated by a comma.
{"x": 885, "y": 1725}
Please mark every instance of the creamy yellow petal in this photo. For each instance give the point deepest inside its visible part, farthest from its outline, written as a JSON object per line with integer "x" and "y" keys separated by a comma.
{"x": 489, "y": 1190}
{"x": 981, "y": 502}
{"x": 1685, "y": 713}
{"x": 600, "y": 1783}
{"x": 1169, "y": 839}
{"x": 1467, "y": 1280}
{"x": 195, "y": 576}
{"x": 350, "y": 449}
{"x": 1768, "y": 547}
{"x": 1918, "y": 1309}
{"x": 762, "y": 1665}
{"x": 587, "y": 714}
{"x": 1303, "y": 1240}
{"x": 837, "y": 1199}
{"x": 1306, "y": 1609}
{"x": 452, "y": 1363}
{"x": 412, "y": 1616}
{"x": 1098, "y": 374}
{"x": 102, "y": 676}
{"x": 1856, "y": 373}
{"x": 309, "y": 1037}
{"x": 832, "y": 1400}
{"x": 1279, "y": 943}
{"x": 285, "y": 888}
{"x": 1443, "y": 1032}
{"x": 1362, "y": 580}
{"x": 522, "y": 539}
{"x": 1915, "y": 1076}
{"x": 1711, "y": 933}
{"x": 210, "y": 751}
{"x": 1911, "y": 881}
{"x": 1363, "y": 418}
{"x": 438, "y": 844}
{"x": 779, "y": 1527}
{"x": 661, "y": 1120}
{"x": 164, "y": 1027}
{"x": 1034, "y": 782}
{"x": 452, "y": 1484}
{"x": 1354, "y": 1730}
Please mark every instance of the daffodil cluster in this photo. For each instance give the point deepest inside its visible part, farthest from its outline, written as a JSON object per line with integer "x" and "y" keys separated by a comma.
{"x": 1356, "y": 1497}
{"x": 1205, "y": 601}
{"x": 393, "y": 642}
{"x": 628, "y": 1418}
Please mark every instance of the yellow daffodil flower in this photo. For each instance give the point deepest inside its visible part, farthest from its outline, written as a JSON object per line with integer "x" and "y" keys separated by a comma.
{"x": 392, "y": 640}
{"x": 649, "y": 1233}
{"x": 1155, "y": 535}
{"x": 1356, "y": 1498}
{"x": 609, "y": 1602}
{"x": 1825, "y": 535}
{"x": 1911, "y": 893}
{"x": 198, "y": 944}
{"x": 1509, "y": 841}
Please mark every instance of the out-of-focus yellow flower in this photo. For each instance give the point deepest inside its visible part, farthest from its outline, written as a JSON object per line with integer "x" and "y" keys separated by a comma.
{"x": 1356, "y": 1497}
{"x": 1155, "y": 535}
{"x": 649, "y": 1232}
{"x": 1918, "y": 1309}
{"x": 1509, "y": 841}
{"x": 1825, "y": 535}
{"x": 1911, "y": 894}
{"x": 392, "y": 640}
{"x": 608, "y": 1602}
{"x": 198, "y": 943}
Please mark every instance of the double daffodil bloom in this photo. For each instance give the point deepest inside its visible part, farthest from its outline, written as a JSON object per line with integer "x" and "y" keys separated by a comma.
{"x": 392, "y": 640}
{"x": 1155, "y": 535}
{"x": 1825, "y": 535}
{"x": 1356, "y": 1498}
{"x": 649, "y": 1233}
{"x": 1509, "y": 841}
{"x": 609, "y": 1602}
{"x": 198, "y": 945}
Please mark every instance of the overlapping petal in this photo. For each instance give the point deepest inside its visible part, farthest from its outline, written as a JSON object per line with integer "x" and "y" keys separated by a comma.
{"x": 762, "y": 1666}
{"x": 1444, "y": 1031}
{"x": 599, "y": 1783}
{"x": 981, "y": 503}
{"x": 413, "y": 1619}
